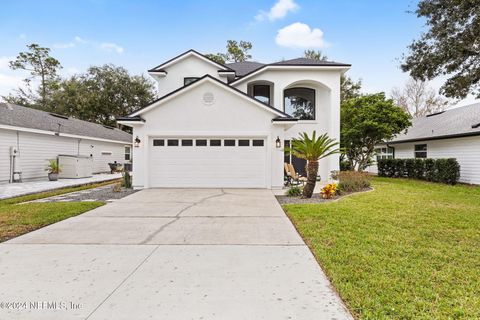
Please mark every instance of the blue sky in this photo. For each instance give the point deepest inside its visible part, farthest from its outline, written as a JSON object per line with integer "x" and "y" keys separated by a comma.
{"x": 371, "y": 35}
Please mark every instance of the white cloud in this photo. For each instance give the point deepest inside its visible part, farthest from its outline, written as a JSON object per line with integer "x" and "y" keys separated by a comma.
{"x": 8, "y": 79}
{"x": 109, "y": 47}
{"x": 4, "y": 62}
{"x": 77, "y": 41}
{"x": 80, "y": 40}
{"x": 64, "y": 45}
{"x": 279, "y": 10}
{"x": 300, "y": 35}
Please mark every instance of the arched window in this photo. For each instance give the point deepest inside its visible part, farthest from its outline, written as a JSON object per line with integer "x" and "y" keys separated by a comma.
{"x": 300, "y": 103}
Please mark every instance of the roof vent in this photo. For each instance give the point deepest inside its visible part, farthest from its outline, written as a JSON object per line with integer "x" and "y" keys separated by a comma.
{"x": 475, "y": 126}
{"x": 58, "y": 115}
{"x": 208, "y": 98}
{"x": 435, "y": 114}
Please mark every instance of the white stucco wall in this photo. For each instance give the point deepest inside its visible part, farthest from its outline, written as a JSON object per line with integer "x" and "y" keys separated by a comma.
{"x": 465, "y": 150}
{"x": 327, "y": 99}
{"x": 187, "y": 116}
{"x": 191, "y": 66}
{"x": 35, "y": 149}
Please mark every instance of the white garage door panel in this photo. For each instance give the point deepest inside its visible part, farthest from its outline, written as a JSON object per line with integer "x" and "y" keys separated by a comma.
{"x": 207, "y": 166}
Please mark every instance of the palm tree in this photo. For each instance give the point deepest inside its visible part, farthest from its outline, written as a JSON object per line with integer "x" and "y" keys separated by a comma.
{"x": 312, "y": 149}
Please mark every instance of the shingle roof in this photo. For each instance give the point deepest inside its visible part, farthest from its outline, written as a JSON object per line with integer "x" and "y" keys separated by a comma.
{"x": 242, "y": 68}
{"x": 247, "y": 67}
{"x": 310, "y": 62}
{"x": 15, "y": 115}
{"x": 454, "y": 122}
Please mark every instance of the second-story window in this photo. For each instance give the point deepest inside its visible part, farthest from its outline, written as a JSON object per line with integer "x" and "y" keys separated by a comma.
{"x": 261, "y": 92}
{"x": 300, "y": 103}
{"x": 189, "y": 80}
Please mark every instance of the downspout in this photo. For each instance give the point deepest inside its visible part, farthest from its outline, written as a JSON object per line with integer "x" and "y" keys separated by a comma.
{"x": 389, "y": 146}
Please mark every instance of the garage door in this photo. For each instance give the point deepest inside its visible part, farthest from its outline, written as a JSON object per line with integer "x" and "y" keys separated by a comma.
{"x": 207, "y": 162}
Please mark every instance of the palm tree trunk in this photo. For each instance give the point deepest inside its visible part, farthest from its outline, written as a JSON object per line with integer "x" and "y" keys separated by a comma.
{"x": 312, "y": 170}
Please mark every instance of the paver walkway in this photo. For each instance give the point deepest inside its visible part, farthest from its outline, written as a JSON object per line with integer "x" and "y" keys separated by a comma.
{"x": 168, "y": 254}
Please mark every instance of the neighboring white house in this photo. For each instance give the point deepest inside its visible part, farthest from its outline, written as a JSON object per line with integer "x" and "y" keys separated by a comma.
{"x": 454, "y": 133}
{"x": 226, "y": 125}
{"x": 38, "y": 136}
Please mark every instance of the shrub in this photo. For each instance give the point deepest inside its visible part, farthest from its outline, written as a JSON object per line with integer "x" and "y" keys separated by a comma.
{"x": 447, "y": 171}
{"x": 430, "y": 169}
{"x": 351, "y": 181}
{"x": 399, "y": 168}
{"x": 345, "y": 166}
{"x": 329, "y": 191}
{"x": 435, "y": 170}
{"x": 294, "y": 191}
{"x": 410, "y": 168}
{"x": 127, "y": 180}
{"x": 418, "y": 169}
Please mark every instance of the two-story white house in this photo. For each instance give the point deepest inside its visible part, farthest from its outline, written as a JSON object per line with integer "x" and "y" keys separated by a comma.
{"x": 218, "y": 125}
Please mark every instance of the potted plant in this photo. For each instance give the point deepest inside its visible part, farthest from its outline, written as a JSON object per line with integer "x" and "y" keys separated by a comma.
{"x": 53, "y": 169}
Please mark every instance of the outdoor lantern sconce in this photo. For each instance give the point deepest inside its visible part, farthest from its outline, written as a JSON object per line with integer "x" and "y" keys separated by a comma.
{"x": 278, "y": 143}
{"x": 136, "y": 142}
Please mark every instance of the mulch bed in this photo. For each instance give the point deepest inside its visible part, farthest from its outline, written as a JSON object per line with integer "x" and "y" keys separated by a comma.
{"x": 316, "y": 198}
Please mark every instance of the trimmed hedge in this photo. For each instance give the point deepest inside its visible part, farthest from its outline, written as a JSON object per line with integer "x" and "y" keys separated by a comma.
{"x": 435, "y": 170}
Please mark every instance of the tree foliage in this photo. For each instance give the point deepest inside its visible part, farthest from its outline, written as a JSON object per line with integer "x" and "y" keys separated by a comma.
{"x": 101, "y": 94}
{"x": 418, "y": 99}
{"x": 450, "y": 46}
{"x": 41, "y": 66}
{"x": 315, "y": 55}
{"x": 312, "y": 149}
{"x": 349, "y": 88}
{"x": 236, "y": 52}
{"x": 367, "y": 121}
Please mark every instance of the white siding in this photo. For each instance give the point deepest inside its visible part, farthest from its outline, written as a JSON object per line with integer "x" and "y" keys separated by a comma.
{"x": 191, "y": 66}
{"x": 8, "y": 139}
{"x": 465, "y": 150}
{"x": 35, "y": 149}
{"x": 100, "y": 161}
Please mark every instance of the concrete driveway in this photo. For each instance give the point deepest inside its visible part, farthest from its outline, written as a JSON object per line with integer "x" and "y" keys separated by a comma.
{"x": 168, "y": 254}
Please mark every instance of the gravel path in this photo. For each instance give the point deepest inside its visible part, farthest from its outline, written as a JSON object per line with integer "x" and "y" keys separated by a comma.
{"x": 104, "y": 193}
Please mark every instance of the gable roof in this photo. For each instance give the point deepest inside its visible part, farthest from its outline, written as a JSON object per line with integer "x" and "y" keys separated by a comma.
{"x": 218, "y": 82}
{"x": 181, "y": 56}
{"x": 19, "y": 116}
{"x": 458, "y": 122}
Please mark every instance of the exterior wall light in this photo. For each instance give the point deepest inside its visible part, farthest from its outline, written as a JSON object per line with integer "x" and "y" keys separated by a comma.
{"x": 136, "y": 142}
{"x": 278, "y": 143}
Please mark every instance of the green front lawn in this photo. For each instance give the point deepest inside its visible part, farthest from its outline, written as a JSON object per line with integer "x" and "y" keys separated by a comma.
{"x": 17, "y": 219}
{"x": 407, "y": 250}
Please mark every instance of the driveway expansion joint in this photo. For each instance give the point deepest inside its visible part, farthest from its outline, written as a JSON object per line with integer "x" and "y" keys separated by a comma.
{"x": 122, "y": 282}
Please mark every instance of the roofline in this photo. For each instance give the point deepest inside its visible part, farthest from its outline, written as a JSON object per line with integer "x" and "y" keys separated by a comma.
{"x": 132, "y": 119}
{"x": 285, "y": 120}
{"x": 280, "y": 66}
{"x": 185, "y": 53}
{"x": 61, "y": 134}
{"x": 195, "y": 83}
{"x": 449, "y": 136}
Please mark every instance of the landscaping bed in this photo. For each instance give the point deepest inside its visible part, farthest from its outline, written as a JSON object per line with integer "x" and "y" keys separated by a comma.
{"x": 316, "y": 198}
{"x": 17, "y": 219}
{"x": 103, "y": 193}
{"x": 406, "y": 250}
